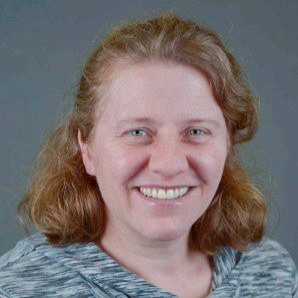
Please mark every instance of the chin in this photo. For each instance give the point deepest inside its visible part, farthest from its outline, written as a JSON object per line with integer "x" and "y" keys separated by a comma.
{"x": 165, "y": 233}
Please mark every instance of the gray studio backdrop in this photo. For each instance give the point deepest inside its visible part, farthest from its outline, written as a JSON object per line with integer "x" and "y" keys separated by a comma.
{"x": 43, "y": 45}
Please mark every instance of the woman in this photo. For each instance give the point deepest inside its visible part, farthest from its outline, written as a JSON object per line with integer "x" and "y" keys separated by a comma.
{"x": 139, "y": 193}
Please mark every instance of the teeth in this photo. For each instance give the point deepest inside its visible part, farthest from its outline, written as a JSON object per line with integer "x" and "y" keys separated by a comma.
{"x": 163, "y": 194}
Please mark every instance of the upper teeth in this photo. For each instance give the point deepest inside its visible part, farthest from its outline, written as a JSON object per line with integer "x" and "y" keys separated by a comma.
{"x": 172, "y": 193}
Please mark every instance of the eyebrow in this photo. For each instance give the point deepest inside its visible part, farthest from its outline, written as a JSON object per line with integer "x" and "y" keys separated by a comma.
{"x": 136, "y": 120}
{"x": 146, "y": 120}
{"x": 202, "y": 120}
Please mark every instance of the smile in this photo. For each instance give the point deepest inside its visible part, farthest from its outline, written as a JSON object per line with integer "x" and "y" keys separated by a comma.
{"x": 164, "y": 194}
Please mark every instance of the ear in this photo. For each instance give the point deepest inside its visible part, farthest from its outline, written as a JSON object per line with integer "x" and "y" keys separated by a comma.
{"x": 86, "y": 156}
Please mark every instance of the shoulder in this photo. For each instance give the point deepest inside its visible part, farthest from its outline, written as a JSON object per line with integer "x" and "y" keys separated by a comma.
{"x": 23, "y": 252}
{"x": 33, "y": 269}
{"x": 268, "y": 254}
{"x": 267, "y": 265}
{"x": 16, "y": 263}
{"x": 23, "y": 248}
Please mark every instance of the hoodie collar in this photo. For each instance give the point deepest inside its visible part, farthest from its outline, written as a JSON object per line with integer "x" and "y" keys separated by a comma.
{"x": 225, "y": 274}
{"x": 99, "y": 268}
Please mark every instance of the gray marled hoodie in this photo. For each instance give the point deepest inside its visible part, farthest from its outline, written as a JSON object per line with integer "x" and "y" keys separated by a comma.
{"x": 34, "y": 268}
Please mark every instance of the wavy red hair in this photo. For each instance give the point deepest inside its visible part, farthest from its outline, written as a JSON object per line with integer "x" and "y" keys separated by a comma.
{"x": 65, "y": 203}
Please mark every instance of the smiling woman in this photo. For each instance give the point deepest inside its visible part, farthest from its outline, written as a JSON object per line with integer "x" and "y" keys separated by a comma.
{"x": 164, "y": 158}
{"x": 139, "y": 192}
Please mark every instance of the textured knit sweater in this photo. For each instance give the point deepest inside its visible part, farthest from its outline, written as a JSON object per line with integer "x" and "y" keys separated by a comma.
{"x": 35, "y": 268}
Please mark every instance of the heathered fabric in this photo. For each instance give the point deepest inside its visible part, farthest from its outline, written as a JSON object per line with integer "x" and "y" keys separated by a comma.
{"x": 34, "y": 268}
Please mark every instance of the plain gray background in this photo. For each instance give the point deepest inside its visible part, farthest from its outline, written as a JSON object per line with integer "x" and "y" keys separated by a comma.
{"x": 43, "y": 45}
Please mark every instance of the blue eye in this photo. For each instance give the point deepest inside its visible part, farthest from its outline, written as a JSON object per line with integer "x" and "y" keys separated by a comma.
{"x": 196, "y": 132}
{"x": 137, "y": 132}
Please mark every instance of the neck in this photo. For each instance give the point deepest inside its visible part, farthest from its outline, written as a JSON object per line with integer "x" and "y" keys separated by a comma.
{"x": 149, "y": 257}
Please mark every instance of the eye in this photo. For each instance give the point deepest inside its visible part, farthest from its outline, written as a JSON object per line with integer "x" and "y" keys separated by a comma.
{"x": 196, "y": 132}
{"x": 137, "y": 132}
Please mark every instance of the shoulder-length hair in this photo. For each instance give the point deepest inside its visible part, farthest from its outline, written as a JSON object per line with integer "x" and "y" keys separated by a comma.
{"x": 65, "y": 203}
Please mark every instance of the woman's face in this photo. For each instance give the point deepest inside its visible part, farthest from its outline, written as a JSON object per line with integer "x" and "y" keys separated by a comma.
{"x": 161, "y": 134}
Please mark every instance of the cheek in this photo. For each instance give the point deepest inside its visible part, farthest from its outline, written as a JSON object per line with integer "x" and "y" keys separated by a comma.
{"x": 120, "y": 163}
{"x": 210, "y": 162}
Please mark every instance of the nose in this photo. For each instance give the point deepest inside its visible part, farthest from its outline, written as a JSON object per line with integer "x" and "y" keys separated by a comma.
{"x": 167, "y": 157}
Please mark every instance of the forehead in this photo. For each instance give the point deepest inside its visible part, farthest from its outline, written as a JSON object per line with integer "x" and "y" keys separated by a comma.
{"x": 152, "y": 87}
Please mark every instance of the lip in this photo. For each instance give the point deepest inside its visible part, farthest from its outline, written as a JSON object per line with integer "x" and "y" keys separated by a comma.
{"x": 166, "y": 203}
{"x": 163, "y": 186}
